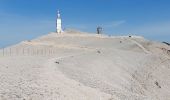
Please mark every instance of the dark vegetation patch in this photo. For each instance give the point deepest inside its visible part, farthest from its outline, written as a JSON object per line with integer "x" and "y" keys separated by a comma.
{"x": 166, "y": 43}
{"x": 166, "y": 51}
{"x": 98, "y": 51}
{"x": 157, "y": 84}
{"x": 57, "y": 62}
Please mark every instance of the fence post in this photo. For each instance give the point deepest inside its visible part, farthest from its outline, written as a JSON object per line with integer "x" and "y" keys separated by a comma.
{"x": 16, "y": 51}
{"x": 41, "y": 52}
{"x": 9, "y": 51}
{"x": 3, "y": 52}
{"x": 28, "y": 52}
{"x": 37, "y": 52}
{"x": 44, "y": 52}
{"x": 22, "y": 51}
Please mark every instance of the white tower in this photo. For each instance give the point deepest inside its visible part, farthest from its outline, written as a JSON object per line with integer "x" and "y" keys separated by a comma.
{"x": 59, "y": 24}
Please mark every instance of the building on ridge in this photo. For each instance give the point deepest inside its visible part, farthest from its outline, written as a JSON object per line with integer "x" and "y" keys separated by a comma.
{"x": 59, "y": 23}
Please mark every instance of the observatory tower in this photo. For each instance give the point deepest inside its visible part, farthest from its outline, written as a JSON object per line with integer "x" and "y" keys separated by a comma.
{"x": 59, "y": 23}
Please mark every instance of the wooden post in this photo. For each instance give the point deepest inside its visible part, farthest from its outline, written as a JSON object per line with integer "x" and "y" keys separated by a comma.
{"x": 23, "y": 51}
{"x": 9, "y": 51}
{"x": 42, "y": 52}
{"x": 3, "y": 52}
{"x": 45, "y": 52}
{"x": 37, "y": 52}
{"x": 17, "y": 51}
{"x": 33, "y": 52}
{"x": 28, "y": 52}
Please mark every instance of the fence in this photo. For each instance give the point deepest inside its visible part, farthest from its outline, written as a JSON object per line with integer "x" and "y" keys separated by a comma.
{"x": 28, "y": 52}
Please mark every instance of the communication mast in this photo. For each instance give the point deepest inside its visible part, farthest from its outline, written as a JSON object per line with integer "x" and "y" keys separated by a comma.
{"x": 99, "y": 30}
{"x": 59, "y": 23}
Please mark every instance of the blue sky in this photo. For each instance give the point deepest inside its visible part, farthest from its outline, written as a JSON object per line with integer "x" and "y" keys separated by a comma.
{"x": 28, "y": 19}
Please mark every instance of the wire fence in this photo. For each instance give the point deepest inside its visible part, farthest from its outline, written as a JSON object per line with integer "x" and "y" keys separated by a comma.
{"x": 28, "y": 52}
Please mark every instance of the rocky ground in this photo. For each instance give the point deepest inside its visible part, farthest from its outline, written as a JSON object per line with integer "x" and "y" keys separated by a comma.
{"x": 85, "y": 66}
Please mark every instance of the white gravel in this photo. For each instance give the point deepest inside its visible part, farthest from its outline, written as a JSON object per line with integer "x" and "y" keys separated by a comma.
{"x": 85, "y": 67}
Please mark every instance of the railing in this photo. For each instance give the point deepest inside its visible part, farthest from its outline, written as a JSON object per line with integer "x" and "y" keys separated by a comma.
{"x": 27, "y": 52}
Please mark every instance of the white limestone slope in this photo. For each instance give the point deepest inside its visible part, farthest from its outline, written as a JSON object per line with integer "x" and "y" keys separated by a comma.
{"x": 87, "y": 67}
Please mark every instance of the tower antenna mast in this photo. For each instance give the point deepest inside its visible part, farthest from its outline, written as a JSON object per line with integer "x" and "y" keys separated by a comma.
{"x": 59, "y": 23}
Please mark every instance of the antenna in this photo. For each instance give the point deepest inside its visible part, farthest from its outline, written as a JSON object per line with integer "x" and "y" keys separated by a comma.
{"x": 99, "y": 30}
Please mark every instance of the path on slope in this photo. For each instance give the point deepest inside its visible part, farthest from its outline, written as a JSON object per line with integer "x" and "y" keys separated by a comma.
{"x": 84, "y": 69}
{"x": 38, "y": 79}
{"x": 140, "y": 46}
{"x": 67, "y": 86}
{"x": 91, "y": 69}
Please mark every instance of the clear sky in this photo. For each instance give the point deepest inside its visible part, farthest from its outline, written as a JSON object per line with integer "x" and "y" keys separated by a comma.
{"x": 28, "y": 19}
